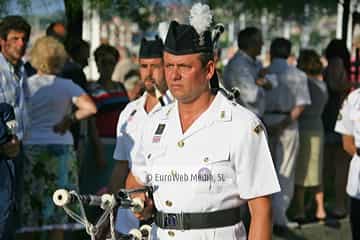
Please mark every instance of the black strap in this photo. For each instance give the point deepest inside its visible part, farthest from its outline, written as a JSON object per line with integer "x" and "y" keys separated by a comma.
{"x": 186, "y": 221}
{"x": 358, "y": 151}
{"x": 278, "y": 112}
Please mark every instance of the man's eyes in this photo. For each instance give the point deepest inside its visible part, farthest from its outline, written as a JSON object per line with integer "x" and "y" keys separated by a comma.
{"x": 182, "y": 67}
{"x": 16, "y": 39}
{"x": 151, "y": 66}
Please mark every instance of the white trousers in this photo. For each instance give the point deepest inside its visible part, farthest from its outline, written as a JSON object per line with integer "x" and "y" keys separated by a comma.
{"x": 284, "y": 149}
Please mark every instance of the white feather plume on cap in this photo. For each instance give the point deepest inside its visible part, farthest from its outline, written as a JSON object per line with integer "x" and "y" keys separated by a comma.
{"x": 163, "y": 28}
{"x": 200, "y": 17}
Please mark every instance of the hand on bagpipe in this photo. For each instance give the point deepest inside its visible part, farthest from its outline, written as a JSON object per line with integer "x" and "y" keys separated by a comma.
{"x": 108, "y": 202}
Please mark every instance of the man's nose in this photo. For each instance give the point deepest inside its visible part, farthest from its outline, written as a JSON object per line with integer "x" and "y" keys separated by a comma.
{"x": 176, "y": 74}
{"x": 21, "y": 42}
{"x": 150, "y": 71}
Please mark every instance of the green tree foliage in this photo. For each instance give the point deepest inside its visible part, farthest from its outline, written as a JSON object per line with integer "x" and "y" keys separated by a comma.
{"x": 139, "y": 11}
{"x": 24, "y": 5}
{"x": 282, "y": 8}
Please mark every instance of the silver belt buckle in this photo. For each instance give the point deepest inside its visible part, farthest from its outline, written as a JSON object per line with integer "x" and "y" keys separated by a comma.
{"x": 174, "y": 221}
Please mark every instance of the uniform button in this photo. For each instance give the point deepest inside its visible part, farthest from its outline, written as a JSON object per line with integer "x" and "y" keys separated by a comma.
{"x": 180, "y": 143}
{"x": 168, "y": 203}
{"x": 206, "y": 160}
{"x": 171, "y": 233}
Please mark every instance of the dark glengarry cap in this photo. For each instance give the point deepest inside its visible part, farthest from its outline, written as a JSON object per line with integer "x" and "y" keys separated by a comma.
{"x": 151, "y": 48}
{"x": 183, "y": 39}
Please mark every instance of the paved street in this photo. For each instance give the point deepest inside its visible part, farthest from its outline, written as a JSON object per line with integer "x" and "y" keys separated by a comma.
{"x": 331, "y": 230}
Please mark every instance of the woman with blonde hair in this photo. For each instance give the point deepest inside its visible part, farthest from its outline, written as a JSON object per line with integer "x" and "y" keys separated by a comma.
{"x": 51, "y": 161}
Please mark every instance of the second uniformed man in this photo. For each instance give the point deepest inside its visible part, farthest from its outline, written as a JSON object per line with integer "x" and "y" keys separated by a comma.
{"x": 132, "y": 118}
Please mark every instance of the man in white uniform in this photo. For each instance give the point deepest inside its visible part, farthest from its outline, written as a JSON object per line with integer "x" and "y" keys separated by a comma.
{"x": 285, "y": 104}
{"x": 132, "y": 119}
{"x": 204, "y": 155}
{"x": 348, "y": 124}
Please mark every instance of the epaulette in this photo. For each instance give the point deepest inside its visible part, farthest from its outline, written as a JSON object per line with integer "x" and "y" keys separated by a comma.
{"x": 230, "y": 95}
{"x": 167, "y": 109}
{"x": 225, "y": 115}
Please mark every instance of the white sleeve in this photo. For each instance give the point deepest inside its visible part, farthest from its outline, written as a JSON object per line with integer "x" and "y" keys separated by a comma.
{"x": 123, "y": 141}
{"x": 139, "y": 166}
{"x": 255, "y": 170}
{"x": 344, "y": 124}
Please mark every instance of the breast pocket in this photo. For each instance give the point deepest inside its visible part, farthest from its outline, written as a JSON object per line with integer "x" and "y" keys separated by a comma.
{"x": 156, "y": 153}
{"x": 7, "y": 96}
{"x": 222, "y": 169}
{"x": 215, "y": 173}
{"x": 155, "y": 164}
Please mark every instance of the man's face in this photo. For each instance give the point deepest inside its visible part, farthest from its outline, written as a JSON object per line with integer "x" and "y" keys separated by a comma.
{"x": 60, "y": 30}
{"x": 14, "y": 46}
{"x": 152, "y": 74}
{"x": 186, "y": 78}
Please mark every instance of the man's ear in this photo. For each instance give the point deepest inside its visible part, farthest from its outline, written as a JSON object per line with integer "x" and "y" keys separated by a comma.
{"x": 210, "y": 69}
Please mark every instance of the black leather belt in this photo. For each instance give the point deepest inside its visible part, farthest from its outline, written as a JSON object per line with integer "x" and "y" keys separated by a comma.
{"x": 186, "y": 221}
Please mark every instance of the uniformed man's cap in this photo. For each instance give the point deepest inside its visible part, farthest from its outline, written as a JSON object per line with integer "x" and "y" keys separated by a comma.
{"x": 195, "y": 37}
{"x": 183, "y": 39}
{"x": 151, "y": 48}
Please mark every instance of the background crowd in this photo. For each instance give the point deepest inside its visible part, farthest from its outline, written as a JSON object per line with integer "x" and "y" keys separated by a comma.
{"x": 68, "y": 123}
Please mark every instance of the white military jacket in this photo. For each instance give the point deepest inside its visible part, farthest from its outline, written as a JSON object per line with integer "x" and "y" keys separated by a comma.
{"x": 220, "y": 161}
{"x": 348, "y": 123}
{"x": 128, "y": 132}
{"x": 129, "y": 125}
